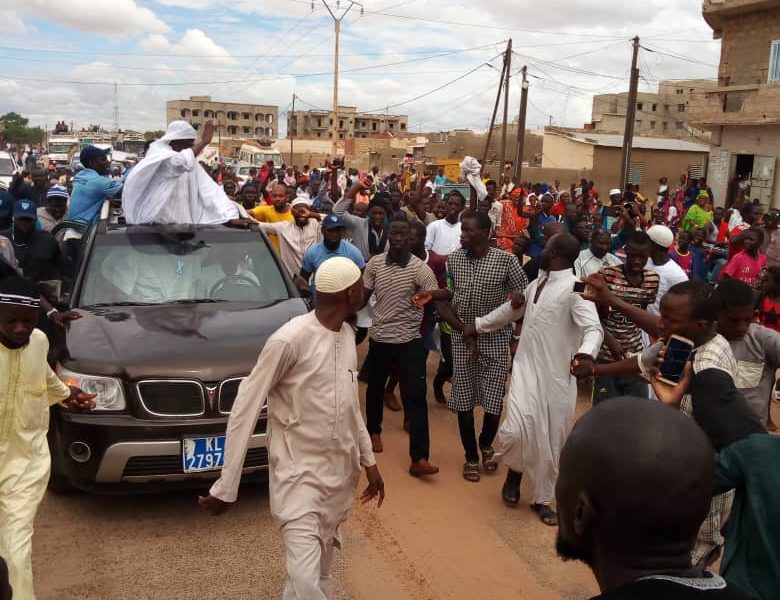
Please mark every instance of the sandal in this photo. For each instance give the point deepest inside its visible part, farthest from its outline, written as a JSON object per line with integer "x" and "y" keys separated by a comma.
{"x": 488, "y": 462}
{"x": 546, "y": 514}
{"x": 510, "y": 493}
{"x": 471, "y": 472}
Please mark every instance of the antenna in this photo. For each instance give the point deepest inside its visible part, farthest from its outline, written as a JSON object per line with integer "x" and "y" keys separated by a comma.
{"x": 116, "y": 107}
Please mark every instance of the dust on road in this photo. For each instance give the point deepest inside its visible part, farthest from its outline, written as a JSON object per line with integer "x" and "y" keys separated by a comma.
{"x": 441, "y": 538}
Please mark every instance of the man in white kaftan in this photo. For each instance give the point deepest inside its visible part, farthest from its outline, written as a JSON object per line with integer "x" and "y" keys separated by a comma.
{"x": 558, "y": 324}
{"x": 317, "y": 441}
{"x": 169, "y": 185}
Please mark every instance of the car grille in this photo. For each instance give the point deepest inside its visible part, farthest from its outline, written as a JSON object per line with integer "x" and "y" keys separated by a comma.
{"x": 227, "y": 394}
{"x": 172, "y": 398}
{"x": 144, "y": 466}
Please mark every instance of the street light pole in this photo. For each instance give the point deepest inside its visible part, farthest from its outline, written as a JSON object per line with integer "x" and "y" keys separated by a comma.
{"x": 337, "y": 30}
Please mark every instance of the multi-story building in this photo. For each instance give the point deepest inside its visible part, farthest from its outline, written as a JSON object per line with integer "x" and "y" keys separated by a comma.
{"x": 664, "y": 113}
{"x": 312, "y": 124}
{"x": 743, "y": 111}
{"x": 238, "y": 121}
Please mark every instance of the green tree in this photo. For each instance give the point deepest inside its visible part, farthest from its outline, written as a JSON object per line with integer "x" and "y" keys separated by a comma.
{"x": 153, "y": 135}
{"x": 17, "y": 131}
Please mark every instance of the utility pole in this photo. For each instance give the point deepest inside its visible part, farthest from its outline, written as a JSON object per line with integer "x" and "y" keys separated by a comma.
{"x": 292, "y": 137}
{"x": 507, "y": 79}
{"x": 628, "y": 135}
{"x": 521, "y": 127}
{"x": 337, "y": 29}
{"x": 116, "y": 107}
{"x": 504, "y": 74}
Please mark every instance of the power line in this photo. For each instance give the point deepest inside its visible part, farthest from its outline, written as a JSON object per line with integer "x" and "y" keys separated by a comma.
{"x": 678, "y": 56}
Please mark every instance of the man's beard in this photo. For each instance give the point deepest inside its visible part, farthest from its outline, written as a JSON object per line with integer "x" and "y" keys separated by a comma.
{"x": 568, "y": 551}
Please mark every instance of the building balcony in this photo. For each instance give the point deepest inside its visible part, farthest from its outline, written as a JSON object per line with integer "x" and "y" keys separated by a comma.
{"x": 755, "y": 104}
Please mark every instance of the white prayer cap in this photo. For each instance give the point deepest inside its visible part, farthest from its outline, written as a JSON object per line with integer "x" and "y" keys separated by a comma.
{"x": 615, "y": 192}
{"x": 301, "y": 200}
{"x": 661, "y": 235}
{"x": 336, "y": 275}
{"x": 179, "y": 130}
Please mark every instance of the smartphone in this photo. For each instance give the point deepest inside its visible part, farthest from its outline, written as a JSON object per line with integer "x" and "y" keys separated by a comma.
{"x": 678, "y": 352}
{"x": 579, "y": 287}
{"x": 612, "y": 211}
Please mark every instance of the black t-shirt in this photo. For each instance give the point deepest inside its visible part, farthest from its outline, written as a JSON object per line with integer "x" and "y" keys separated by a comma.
{"x": 676, "y": 588}
{"x": 40, "y": 259}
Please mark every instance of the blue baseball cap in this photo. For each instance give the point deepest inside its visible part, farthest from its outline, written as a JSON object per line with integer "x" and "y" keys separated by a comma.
{"x": 90, "y": 152}
{"x": 333, "y": 221}
{"x": 6, "y": 204}
{"x": 25, "y": 209}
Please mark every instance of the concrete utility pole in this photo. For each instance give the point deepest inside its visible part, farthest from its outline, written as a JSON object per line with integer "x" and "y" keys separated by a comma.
{"x": 507, "y": 79}
{"x": 628, "y": 135}
{"x": 292, "y": 137}
{"x": 521, "y": 127}
{"x": 504, "y": 79}
{"x": 337, "y": 29}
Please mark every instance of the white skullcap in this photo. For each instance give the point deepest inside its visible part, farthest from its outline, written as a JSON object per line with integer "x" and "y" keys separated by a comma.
{"x": 179, "y": 130}
{"x": 615, "y": 192}
{"x": 336, "y": 275}
{"x": 301, "y": 200}
{"x": 661, "y": 235}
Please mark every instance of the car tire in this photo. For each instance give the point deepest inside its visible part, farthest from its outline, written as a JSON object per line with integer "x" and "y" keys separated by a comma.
{"x": 59, "y": 483}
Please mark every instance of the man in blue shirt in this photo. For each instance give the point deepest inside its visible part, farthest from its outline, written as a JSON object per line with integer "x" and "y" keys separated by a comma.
{"x": 332, "y": 244}
{"x": 92, "y": 186}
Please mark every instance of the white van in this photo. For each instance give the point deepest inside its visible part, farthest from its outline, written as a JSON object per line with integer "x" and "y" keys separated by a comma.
{"x": 259, "y": 156}
{"x": 8, "y": 167}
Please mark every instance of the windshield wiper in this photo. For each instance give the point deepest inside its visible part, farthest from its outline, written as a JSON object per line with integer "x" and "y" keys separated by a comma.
{"x": 104, "y": 304}
{"x": 195, "y": 301}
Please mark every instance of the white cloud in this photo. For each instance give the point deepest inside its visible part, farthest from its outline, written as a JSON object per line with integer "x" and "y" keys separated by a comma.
{"x": 154, "y": 43}
{"x": 114, "y": 19}
{"x": 196, "y": 43}
{"x": 12, "y": 22}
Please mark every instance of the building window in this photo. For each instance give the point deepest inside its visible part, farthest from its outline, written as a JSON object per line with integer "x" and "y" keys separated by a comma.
{"x": 680, "y": 90}
{"x": 774, "y": 62}
{"x": 639, "y": 105}
{"x": 655, "y": 107}
{"x": 638, "y": 124}
{"x": 319, "y": 122}
{"x": 341, "y": 136}
{"x": 666, "y": 125}
{"x": 247, "y": 130}
{"x": 319, "y": 134}
{"x": 392, "y": 125}
{"x": 341, "y": 124}
{"x": 373, "y": 126}
{"x": 681, "y": 108}
{"x": 183, "y": 112}
{"x": 208, "y": 113}
{"x": 652, "y": 124}
{"x": 195, "y": 112}
{"x": 680, "y": 125}
{"x": 403, "y": 125}
{"x": 269, "y": 118}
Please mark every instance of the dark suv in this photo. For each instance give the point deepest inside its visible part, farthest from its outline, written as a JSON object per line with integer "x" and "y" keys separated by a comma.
{"x": 173, "y": 318}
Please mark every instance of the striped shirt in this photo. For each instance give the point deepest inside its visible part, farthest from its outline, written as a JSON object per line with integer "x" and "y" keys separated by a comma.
{"x": 617, "y": 324}
{"x": 396, "y": 319}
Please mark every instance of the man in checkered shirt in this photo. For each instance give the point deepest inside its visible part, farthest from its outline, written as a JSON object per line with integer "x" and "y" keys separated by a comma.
{"x": 480, "y": 279}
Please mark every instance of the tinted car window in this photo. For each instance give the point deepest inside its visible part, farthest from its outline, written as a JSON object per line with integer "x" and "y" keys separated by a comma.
{"x": 146, "y": 266}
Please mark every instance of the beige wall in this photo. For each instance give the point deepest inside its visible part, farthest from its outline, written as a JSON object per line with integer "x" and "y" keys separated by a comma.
{"x": 564, "y": 153}
{"x": 657, "y": 164}
{"x": 235, "y": 120}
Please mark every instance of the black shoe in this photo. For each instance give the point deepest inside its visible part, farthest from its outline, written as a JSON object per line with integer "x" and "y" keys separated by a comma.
{"x": 510, "y": 493}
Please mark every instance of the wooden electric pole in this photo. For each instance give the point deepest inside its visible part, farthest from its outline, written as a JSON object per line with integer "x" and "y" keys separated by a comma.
{"x": 628, "y": 135}
{"x": 504, "y": 77}
{"x": 518, "y": 171}
{"x": 507, "y": 79}
{"x": 292, "y": 135}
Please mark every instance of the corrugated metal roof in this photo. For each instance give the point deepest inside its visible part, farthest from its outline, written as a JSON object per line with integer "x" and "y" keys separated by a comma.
{"x": 645, "y": 143}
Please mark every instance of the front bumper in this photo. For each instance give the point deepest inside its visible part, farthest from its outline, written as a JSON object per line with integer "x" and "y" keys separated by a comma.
{"x": 128, "y": 450}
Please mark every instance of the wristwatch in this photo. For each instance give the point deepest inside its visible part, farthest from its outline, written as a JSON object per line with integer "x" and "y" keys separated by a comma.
{"x": 51, "y": 312}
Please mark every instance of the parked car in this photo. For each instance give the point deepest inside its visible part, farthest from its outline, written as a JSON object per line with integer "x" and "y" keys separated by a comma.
{"x": 173, "y": 319}
{"x": 8, "y": 167}
{"x": 242, "y": 173}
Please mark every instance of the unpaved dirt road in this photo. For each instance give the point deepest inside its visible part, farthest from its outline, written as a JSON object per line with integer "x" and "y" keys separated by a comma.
{"x": 436, "y": 539}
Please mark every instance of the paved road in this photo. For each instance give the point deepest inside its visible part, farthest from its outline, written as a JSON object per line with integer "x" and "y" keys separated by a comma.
{"x": 442, "y": 538}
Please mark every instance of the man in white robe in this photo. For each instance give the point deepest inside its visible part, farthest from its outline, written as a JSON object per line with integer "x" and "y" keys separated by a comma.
{"x": 558, "y": 326}
{"x": 317, "y": 441}
{"x": 170, "y": 186}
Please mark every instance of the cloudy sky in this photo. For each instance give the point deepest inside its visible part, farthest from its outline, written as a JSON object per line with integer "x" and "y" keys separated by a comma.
{"x": 61, "y": 59}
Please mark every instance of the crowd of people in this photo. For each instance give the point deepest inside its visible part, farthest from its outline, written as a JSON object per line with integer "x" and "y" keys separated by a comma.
{"x": 561, "y": 291}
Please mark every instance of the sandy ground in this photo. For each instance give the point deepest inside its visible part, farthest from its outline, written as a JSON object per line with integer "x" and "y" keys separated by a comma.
{"x": 441, "y": 538}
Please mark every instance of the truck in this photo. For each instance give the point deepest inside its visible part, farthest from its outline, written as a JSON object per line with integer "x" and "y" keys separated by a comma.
{"x": 62, "y": 147}
{"x": 256, "y": 156}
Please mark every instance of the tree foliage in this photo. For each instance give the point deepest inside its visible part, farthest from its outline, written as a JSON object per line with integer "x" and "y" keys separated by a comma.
{"x": 153, "y": 135}
{"x": 17, "y": 130}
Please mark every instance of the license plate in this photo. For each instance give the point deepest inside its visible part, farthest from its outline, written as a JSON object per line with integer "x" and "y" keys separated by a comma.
{"x": 203, "y": 454}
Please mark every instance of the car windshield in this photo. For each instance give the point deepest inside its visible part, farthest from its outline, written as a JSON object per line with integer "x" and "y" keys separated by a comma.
{"x": 59, "y": 148}
{"x": 6, "y": 167}
{"x": 147, "y": 266}
{"x": 244, "y": 170}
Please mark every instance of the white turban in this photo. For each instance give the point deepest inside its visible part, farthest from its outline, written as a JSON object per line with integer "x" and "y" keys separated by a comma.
{"x": 301, "y": 198}
{"x": 179, "y": 130}
{"x": 336, "y": 275}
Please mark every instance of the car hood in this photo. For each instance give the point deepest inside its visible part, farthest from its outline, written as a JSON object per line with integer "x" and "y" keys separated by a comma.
{"x": 210, "y": 342}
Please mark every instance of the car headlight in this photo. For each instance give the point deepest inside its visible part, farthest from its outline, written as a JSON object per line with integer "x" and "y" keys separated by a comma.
{"x": 108, "y": 390}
